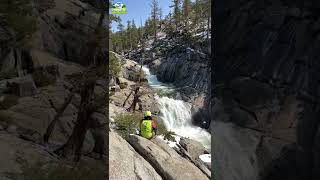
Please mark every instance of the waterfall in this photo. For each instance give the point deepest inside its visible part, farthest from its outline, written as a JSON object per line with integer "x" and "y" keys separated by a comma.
{"x": 176, "y": 114}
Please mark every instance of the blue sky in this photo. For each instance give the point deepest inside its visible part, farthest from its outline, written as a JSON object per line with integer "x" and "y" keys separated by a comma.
{"x": 137, "y": 9}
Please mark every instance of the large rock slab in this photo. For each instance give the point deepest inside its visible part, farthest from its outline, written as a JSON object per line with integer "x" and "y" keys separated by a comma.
{"x": 233, "y": 150}
{"x": 194, "y": 148}
{"x": 42, "y": 59}
{"x": 125, "y": 163}
{"x": 14, "y": 149}
{"x": 22, "y": 86}
{"x": 168, "y": 162}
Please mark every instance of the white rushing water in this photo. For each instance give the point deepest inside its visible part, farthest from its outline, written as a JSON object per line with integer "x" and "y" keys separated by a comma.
{"x": 176, "y": 114}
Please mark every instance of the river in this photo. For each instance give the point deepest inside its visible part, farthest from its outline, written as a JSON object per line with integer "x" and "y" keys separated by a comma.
{"x": 176, "y": 114}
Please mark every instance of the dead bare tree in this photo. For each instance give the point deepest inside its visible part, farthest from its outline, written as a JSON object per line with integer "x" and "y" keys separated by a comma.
{"x": 124, "y": 103}
{"x": 136, "y": 94}
{"x": 59, "y": 112}
{"x": 72, "y": 149}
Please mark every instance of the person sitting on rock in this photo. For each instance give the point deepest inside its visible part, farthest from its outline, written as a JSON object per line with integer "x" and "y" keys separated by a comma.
{"x": 148, "y": 126}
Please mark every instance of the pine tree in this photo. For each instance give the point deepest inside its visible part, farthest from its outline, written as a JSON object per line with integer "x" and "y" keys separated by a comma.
{"x": 154, "y": 17}
{"x": 196, "y": 13}
{"x": 186, "y": 13}
{"x": 128, "y": 34}
{"x": 122, "y": 38}
{"x": 134, "y": 34}
{"x": 176, "y": 12}
{"x": 160, "y": 14}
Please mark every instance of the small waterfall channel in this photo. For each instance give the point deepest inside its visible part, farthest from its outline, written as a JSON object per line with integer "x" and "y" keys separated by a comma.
{"x": 176, "y": 115}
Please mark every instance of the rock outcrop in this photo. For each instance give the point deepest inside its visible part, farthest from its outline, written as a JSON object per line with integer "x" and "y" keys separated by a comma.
{"x": 14, "y": 149}
{"x": 37, "y": 77}
{"x": 166, "y": 161}
{"x": 66, "y": 29}
{"x": 267, "y": 86}
{"x": 126, "y": 163}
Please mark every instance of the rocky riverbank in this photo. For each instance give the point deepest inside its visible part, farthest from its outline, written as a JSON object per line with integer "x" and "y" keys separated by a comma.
{"x": 132, "y": 156}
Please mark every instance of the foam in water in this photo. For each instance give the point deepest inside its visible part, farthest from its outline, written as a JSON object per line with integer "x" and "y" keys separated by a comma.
{"x": 176, "y": 114}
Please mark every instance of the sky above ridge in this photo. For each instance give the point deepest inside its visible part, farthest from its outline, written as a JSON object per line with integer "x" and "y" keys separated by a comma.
{"x": 139, "y": 10}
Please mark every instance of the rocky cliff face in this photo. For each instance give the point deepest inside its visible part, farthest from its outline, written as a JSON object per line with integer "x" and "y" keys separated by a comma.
{"x": 266, "y": 89}
{"x": 64, "y": 29}
{"x": 185, "y": 64}
{"x": 35, "y": 80}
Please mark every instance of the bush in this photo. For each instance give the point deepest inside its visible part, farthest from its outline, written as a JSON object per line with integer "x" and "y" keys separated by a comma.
{"x": 39, "y": 171}
{"x": 111, "y": 93}
{"x": 169, "y": 135}
{"x": 123, "y": 85}
{"x": 41, "y": 78}
{"x": 135, "y": 75}
{"x": 114, "y": 64}
{"x": 162, "y": 130}
{"x": 127, "y": 123}
{"x": 8, "y": 101}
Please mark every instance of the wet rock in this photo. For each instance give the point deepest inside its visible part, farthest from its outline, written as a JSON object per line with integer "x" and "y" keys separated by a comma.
{"x": 194, "y": 148}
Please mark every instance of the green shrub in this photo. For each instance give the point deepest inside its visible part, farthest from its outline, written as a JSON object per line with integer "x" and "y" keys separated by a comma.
{"x": 114, "y": 64}
{"x": 39, "y": 171}
{"x": 111, "y": 93}
{"x": 161, "y": 129}
{"x": 123, "y": 85}
{"x": 157, "y": 50}
{"x": 8, "y": 101}
{"x": 41, "y": 78}
{"x": 169, "y": 135}
{"x": 127, "y": 123}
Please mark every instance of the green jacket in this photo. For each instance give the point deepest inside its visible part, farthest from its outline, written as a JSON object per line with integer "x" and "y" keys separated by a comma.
{"x": 147, "y": 128}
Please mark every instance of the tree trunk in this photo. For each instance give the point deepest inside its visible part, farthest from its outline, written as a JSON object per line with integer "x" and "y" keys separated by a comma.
{"x": 124, "y": 103}
{"x": 72, "y": 149}
{"x": 60, "y": 111}
{"x": 136, "y": 91}
{"x": 132, "y": 108}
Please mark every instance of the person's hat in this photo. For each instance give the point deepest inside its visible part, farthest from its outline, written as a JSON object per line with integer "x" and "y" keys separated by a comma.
{"x": 147, "y": 113}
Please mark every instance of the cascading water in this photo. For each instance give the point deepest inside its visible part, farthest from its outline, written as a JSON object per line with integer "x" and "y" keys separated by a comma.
{"x": 176, "y": 114}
